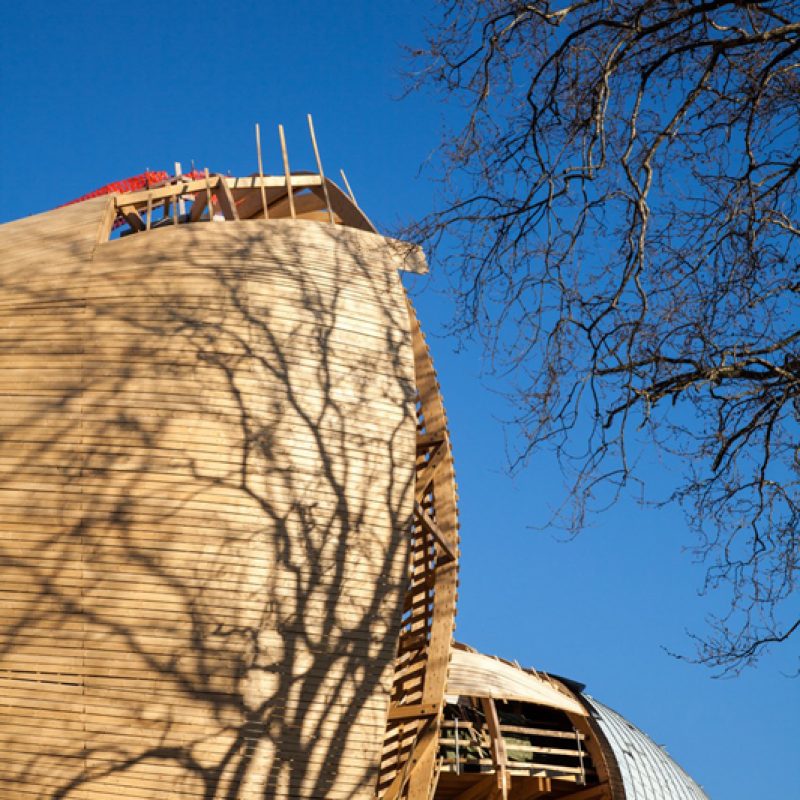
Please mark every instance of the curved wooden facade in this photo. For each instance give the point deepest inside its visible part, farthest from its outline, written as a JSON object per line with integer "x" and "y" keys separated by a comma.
{"x": 223, "y": 449}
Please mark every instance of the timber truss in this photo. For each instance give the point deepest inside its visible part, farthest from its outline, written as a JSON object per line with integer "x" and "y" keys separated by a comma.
{"x": 409, "y": 765}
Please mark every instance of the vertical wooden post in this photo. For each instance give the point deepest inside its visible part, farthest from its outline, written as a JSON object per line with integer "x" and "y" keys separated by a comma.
{"x": 180, "y": 202}
{"x": 319, "y": 169}
{"x": 286, "y": 171}
{"x": 210, "y": 202}
{"x": 261, "y": 172}
{"x": 580, "y": 756}
{"x": 499, "y": 756}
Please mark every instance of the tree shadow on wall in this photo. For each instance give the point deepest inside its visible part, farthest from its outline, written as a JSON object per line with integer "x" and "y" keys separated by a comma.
{"x": 205, "y": 521}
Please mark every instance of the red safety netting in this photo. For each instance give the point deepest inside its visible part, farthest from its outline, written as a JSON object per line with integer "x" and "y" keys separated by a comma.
{"x": 134, "y": 184}
{"x": 146, "y": 180}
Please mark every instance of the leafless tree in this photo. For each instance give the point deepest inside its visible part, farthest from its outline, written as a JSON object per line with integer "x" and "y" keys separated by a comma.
{"x": 619, "y": 220}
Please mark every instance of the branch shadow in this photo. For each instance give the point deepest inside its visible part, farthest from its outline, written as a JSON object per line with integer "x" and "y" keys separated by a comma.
{"x": 205, "y": 499}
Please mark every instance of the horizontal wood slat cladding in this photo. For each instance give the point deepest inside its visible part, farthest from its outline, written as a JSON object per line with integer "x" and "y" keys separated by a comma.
{"x": 206, "y": 491}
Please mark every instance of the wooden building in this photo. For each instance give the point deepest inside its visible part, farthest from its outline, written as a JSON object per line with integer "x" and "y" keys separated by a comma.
{"x": 228, "y": 527}
{"x": 210, "y": 434}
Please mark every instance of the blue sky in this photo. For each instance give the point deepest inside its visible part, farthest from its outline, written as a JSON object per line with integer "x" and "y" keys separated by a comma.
{"x": 94, "y": 92}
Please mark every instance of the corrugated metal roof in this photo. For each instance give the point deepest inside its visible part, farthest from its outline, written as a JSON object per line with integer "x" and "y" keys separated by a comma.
{"x": 648, "y": 772}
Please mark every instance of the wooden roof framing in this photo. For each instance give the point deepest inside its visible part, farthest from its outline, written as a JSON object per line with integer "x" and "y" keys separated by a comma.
{"x": 566, "y": 760}
{"x": 302, "y": 196}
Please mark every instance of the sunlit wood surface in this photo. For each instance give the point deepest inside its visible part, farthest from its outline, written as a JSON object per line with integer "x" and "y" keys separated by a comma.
{"x": 206, "y": 486}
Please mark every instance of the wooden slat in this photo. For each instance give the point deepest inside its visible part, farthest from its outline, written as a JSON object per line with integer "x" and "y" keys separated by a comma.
{"x": 412, "y": 711}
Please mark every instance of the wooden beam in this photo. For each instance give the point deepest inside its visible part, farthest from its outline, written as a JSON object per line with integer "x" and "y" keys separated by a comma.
{"x": 107, "y": 224}
{"x": 201, "y": 199}
{"x": 342, "y": 205}
{"x": 273, "y": 182}
{"x": 418, "y": 710}
{"x": 347, "y": 186}
{"x": 482, "y": 789}
{"x": 261, "y": 173}
{"x": 542, "y": 732}
{"x": 171, "y": 190}
{"x": 598, "y": 792}
{"x": 210, "y": 196}
{"x": 132, "y": 217}
{"x": 194, "y": 186}
{"x": 426, "y": 472}
{"x": 421, "y": 751}
{"x": 423, "y": 761}
{"x": 530, "y": 788}
{"x": 499, "y": 754}
{"x": 286, "y": 170}
{"x": 319, "y": 169}
{"x": 426, "y": 441}
{"x": 424, "y": 519}
{"x": 225, "y": 200}
{"x": 412, "y": 641}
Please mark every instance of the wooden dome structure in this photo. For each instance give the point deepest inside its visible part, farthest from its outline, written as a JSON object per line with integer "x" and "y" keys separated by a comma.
{"x": 526, "y": 735}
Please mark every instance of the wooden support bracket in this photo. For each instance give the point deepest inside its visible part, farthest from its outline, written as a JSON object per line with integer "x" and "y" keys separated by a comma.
{"x": 201, "y": 200}
{"x": 132, "y": 217}
{"x": 418, "y": 710}
{"x": 419, "y": 753}
{"x": 427, "y": 522}
{"x": 426, "y": 441}
{"x": 226, "y": 202}
{"x": 427, "y": 470}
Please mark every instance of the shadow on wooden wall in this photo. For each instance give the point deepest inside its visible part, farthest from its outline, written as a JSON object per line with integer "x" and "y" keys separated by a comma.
{"x": 206, "y": 483}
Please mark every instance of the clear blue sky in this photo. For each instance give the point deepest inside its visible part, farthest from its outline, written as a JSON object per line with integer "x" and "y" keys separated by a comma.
{"x": 94, "y": 92}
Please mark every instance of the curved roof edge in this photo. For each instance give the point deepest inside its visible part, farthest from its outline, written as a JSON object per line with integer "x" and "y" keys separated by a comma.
{"x": 479, "y": 675}
{"x": 648, "y": 772}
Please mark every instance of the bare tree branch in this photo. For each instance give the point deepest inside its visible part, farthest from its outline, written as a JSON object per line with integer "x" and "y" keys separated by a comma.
{"x": 619, "y": 221}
